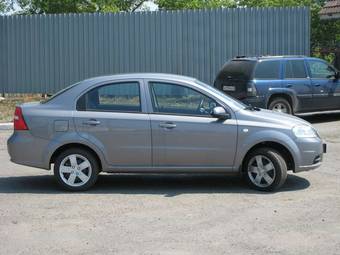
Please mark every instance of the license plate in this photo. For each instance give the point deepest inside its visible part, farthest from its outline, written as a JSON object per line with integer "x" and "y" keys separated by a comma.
{"x": 324, "y": 148}
{"x": 228, "y": 88}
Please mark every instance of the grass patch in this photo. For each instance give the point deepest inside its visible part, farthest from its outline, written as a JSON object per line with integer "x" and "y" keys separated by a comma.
{"x": 8, "y": 104}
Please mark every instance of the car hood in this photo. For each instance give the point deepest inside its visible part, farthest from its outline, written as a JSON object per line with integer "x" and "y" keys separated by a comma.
{"x": 268, "y": 118}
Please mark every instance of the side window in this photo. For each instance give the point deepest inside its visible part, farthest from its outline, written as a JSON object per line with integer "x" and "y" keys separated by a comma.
{"x": 176, "y": 99}
{"x": 116, "y": 97}
{"x": 267, "y": 70}
{"x": 295, "y": 69}
{"x": 320, "y": 69}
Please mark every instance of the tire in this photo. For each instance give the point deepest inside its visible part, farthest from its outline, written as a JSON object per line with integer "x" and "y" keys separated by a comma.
{"x": 257, "y": 178}
{"x": 76, "y": 169}
{"x": 280, "y": 104}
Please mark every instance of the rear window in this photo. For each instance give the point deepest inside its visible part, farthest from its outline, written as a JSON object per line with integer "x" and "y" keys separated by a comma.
{"x": 116, "y": 97}
{"x": 237, "y": 69}
{"x": 267, "y": 70}
{"x": 59, "y": 93}
{"x": 295, "y": 69}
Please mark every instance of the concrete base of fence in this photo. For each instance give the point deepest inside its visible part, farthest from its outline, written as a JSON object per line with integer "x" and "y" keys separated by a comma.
{"x": 6, "y": 126}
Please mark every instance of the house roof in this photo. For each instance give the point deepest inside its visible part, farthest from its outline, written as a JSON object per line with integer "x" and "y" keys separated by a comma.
{"x": 331, "y": 10}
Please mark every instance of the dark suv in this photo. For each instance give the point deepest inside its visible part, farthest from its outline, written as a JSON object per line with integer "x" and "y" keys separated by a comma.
{"x": 289, "y": 84}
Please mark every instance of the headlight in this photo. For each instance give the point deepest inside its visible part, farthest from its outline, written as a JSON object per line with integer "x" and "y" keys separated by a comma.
{"x": 304, "y": 131}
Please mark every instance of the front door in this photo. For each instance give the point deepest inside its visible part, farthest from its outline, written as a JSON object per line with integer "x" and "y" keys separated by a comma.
{"x": 111, "y": 117}
{"x": 184, "y": 134}
{"x": 326, "y": 90}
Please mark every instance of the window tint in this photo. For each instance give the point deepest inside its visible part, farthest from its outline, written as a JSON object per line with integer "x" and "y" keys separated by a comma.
{"x": 175, "y": 99}
{"x": 237, "y": 69}
{"x": 122, "y": 97}
{"x": 320, "y": 69}
{"x": 267, "y": 70}
{"x": 295, "y": 69}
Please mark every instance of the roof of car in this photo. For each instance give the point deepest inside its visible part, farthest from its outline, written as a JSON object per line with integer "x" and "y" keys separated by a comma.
{"x": 141, "y": 76}
{"x": 257, "y": 58}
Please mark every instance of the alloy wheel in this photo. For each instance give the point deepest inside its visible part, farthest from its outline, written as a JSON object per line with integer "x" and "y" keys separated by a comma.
{"x": 280, "y": 107}
{"x": 75, "y": 170}
{"x": 261, "y": 171}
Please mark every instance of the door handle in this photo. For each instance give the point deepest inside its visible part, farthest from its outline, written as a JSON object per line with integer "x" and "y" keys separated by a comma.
{"x": 317, "y": 85}
{"x": 91, "y": 122}
{"x": 289, "y": 85}
{"x": 167, "y": 125}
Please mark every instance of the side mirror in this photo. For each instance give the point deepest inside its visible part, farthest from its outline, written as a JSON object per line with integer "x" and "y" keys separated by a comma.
{"x": 337, "y": 75}
{"x": 220, "y": 113}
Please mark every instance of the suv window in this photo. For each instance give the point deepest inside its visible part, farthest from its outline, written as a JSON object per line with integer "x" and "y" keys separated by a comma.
{"x": 237, "y": 70}
{"x": 320, "y": 69}
{"x": 120, "y": 97}
{"x": 267, "y": 70}
{"x": 176, "y": 99}
{"x": 295, "y": 69}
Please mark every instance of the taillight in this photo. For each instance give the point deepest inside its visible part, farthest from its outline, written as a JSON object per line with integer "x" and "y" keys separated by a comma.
{"x": 251, "y": 89}
{"x": 19, "y": 122}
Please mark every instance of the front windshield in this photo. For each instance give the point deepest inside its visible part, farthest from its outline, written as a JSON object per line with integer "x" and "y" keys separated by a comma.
{"x": 238, "y": 103}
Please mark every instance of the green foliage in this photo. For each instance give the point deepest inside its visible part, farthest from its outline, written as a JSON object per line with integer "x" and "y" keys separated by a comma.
{"x": 76, "y": 6}
{"x": 194, "y": 4}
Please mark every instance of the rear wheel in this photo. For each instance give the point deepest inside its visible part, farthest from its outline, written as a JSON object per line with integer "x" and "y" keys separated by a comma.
{"x": 265, "y": 169}
{"x": 280, "y": 104}
{"x": 76, "y": 169}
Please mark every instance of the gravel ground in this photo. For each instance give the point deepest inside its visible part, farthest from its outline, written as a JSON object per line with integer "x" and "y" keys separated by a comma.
{"x": 169, "y": 214}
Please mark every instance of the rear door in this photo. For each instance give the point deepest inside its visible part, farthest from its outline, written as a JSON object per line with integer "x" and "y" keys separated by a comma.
{"x": 184, "y": 134}
{"x": 296, "y": 78}
{"x": 267, "y": 76}
{"x": 325, "y": 87}
{"x": 113, "y": 117}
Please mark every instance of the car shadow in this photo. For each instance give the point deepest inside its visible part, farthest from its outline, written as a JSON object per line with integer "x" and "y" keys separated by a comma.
{"x": 322, "y": 117}
{"x": 168, "y": 185}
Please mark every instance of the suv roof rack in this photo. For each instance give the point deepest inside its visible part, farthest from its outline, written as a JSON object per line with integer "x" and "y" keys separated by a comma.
{"x": 271, "y": 56}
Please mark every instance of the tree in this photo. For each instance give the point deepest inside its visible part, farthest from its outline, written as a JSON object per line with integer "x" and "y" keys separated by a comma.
{"x": 194, "y": 4}
{"x": 76, "y": 6}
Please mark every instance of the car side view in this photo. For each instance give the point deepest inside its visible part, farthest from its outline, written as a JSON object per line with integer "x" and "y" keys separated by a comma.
{"x": 289, "y": 84}
{"x": 159, "y": 123}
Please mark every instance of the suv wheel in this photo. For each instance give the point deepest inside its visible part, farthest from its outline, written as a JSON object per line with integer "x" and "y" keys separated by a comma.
{"x": 280, "y": 104}
{"x": 76, "y": 169}
{"x": 265, "y": 169}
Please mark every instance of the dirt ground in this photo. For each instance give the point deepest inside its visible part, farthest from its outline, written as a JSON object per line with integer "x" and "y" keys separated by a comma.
{"x": 169, "y": 214}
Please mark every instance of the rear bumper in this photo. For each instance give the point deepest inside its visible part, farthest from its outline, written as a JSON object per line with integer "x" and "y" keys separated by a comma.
{"x": 24, "y": 149}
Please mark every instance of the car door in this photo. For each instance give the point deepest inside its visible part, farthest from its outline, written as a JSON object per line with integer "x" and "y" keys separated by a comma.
{"x": 296, "y": 78}
{"x": 184, "y": 134}
{"x": 325, "y": 86}
{"x": 112, "y": 116}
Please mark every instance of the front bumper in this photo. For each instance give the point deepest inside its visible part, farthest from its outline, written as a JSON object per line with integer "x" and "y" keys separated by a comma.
{"x": 311, "y": 154}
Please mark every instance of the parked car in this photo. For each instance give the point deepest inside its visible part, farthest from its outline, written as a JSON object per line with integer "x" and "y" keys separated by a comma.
{"x": 289, "y": 84}
{"x": 159, "y": 123}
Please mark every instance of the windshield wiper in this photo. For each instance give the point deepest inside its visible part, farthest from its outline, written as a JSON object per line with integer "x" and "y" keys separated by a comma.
{"x": 252, "y": 108}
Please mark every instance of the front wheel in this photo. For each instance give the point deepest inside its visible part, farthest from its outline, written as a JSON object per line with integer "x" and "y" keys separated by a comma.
{"x": 76, "y": 169}
{"x": 265, "y": 169}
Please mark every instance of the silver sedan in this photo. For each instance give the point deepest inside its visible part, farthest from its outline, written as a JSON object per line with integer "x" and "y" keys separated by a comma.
{"x": 159, "y": 123}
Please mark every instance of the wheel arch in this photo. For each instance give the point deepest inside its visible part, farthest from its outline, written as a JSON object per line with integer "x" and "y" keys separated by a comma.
{"x": 66, "y": 146}
{"x": 289, "y": 95}
{"x": 285, "y": 152}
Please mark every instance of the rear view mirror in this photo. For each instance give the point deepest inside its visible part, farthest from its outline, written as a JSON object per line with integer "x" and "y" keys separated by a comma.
{"x": 220, "y": 112}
